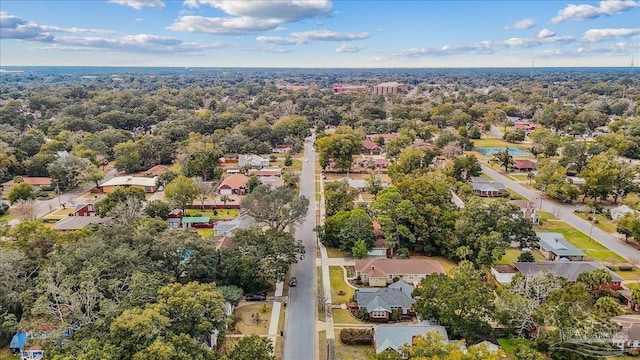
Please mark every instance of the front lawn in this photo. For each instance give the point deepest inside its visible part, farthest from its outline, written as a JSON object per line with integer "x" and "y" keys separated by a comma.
{"x": 205, "y": 233}
{"x": 336, "y": 253}
{"x": 338, "y": 285}
{"x": 60, "y": 214}
{"x": 495, "y": 143}
{"x": 221, "y": 214}
{"x": 351, "y": 352}
{"x": 342, "y": 316}
{"x": 604, "y": 223}
{"x": 253, "y": 318}
{"x": 511, "y": 256}
{"x": 629, "y": 275}
{"x": 591, "y": 247}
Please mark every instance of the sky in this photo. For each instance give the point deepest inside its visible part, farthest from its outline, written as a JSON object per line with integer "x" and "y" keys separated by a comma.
{"x": 319, "y": 33}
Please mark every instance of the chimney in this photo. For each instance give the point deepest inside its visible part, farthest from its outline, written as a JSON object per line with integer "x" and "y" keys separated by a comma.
{"x": 373, "y": 267}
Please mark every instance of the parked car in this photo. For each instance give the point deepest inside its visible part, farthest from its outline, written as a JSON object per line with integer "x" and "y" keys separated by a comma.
{"x": 293, "y": 281}
{"x": 256, "y": 297}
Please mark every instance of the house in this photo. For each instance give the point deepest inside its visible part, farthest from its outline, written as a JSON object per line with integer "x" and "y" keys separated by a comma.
{"x": 84, "y": 210}
{"x": 197, "y": 222}
{"x": 619, "y": 212}
{"x": 33, "y": 353}
{"x": 393, "y": 337}
{"x": 528, "y": 208}
{"x": 282, "y": 149}
{"x": 486, "y": 187}
{"x": 382, "y": 271}
{"x": 233, "y": 184}
{"x": 35, "y": 182}
{"x": 370, "y": 148}
{"x": 154, "y": 171}
{"x": 174, "y": 219}
{"x": 148, "y": 184}
{"x": 252, "y": 161}
{"x": 567, "y": 269}
{"x": 503, "y": 273}
{"x": 629, "y": 325}
{"x": 73, "y": 223}
{"x": 556, "y": 248}
{"x": 272, "y": 182}
{"x": 524, "y": 165}
{"x": 356, "y": 184}
{"x": 229, "y": 226}
{"x": 379, "y": 303}
{"x": 380, "y": 247}
{"x": 388, "y": 88}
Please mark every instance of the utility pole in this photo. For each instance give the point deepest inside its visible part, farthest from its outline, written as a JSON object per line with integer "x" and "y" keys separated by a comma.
{"x": 593, "y": 221}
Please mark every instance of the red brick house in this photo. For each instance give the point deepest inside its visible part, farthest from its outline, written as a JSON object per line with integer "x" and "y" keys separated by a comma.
{"x": 234, "y": 184}
{"x": 84, "y": 210}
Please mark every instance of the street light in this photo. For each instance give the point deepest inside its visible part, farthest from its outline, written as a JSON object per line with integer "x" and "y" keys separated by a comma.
{"x": 58, "y": 192}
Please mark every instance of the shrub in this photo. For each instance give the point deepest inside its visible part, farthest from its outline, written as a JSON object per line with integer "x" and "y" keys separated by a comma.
{"x": 403, "y": 253}
{"x": 352, "y": 336}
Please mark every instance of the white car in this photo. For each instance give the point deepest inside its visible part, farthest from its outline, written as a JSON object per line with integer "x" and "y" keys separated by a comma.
{"x": 306, "y": 160}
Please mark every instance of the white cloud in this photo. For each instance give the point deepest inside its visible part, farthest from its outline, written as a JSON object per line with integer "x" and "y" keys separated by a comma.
{"x": 140, "y": 4}
{"x": 546, "y": 33}
{"x": 618, "y": 49}
{"x": 284, "y": 10}
{"x": 595, "y": 35}
{"x": 303, "y": 37}
{"x": 223, "y": 26}
{"x": 523, "y": 24}
{"x": 250, "y": 17}
{"x": 14, "y": 27}
{"x": 584, "y": 11}
{"x": 139, "y": 20}
{"x": 349, "y": 48}
{"x": 482, "y": 47}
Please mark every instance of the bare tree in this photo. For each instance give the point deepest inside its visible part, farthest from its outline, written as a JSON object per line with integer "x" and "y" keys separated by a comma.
{"x": 127, "y": 211}
{"x": 26, "y": 210}
{"x": 206, "y": 190}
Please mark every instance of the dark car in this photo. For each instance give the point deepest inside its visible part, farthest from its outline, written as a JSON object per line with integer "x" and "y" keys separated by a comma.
{"x": 293, "y": 281}
{"x": 256, "y": 297}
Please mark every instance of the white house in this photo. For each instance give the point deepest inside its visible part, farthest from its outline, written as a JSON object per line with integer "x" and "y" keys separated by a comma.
{"x": 620, "y": 211}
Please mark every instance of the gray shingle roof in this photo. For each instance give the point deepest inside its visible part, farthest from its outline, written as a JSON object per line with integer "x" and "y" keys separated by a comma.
{"x": 227, "y": 227}
{"x": 557, "y": 244}
{"x": 373, "y": 298}
{"x": 568, "y": 270}
{"x": 403, "y": 286}
{"x": 394, "y": 336}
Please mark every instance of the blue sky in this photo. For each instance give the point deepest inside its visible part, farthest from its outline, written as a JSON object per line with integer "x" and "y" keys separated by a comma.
{"x": 319, "y": 33}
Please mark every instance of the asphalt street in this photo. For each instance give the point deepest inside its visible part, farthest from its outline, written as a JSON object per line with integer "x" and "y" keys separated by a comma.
{"x": 300, "y": 337}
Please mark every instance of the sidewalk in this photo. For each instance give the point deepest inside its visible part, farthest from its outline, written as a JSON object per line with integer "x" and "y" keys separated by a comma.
{"x": 275, "y": 314}
{"x": 326, "y": 281}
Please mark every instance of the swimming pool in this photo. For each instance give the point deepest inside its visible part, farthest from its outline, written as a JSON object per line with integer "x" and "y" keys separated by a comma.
{"x": 490, "y": 151}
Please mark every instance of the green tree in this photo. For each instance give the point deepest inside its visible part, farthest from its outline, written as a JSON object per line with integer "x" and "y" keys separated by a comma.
{"x": 127, "y": 157}
{"x": 252, "y": 347}
{"x": 105, "y": 206}
{"x": 359, "y": 250}
{"x": 200, "y": 156}
{"x": 274, "y": 249}
{"x": 181, "y": 192}
{"x": 503, "y": 158}
{"x": 461, "y": 300}
{"x": 526, "y": 256}
{"x": 157, "y": 209}
{"x": 431, "y": 346}
{"x": 629, "y": 226}
{"x": 394, "y": 215}
{"x": 514, "y": 136}
{"x": 462, "y": 168}
{"x": 92, "y": 175}
{"x": 288, "y": 161}
{"x": 278, "y": 208}
{"x": 21, "y": 192}
{"x": 338, "y": 196}
{"x": 67, "y": 170}
{"x": 339, "y": 147}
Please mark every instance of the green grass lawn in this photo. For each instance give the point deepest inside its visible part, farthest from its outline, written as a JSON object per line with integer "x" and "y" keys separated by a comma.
{"x": 351, "y": 352}
{"x": 342, "y": 316}
{"x": 322, "y": 344}
{"x": 591, "y": 247}
{"x": 511, "y": 256}
{"x": 336, "y": 274}
{"x": 321, "y": 314}
{"x": 5, "y": 354}
{"x": 336, "y": 253}
{"x": 205, "y": 233}
{"x": 604, "y": 223}
{"x": 447, "y": 264}
{"x": 497, "y": 143}
{"x": 519, "y": 176}
{"x": 223, "y": 214}
{"x": 629, "y": 275}
{"x": 6, "y": 217}
{"x": 509, "y": 344}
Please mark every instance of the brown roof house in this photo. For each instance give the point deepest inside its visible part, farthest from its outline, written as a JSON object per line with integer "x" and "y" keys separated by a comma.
{"x": 36, "y": 182}
{"x": 524, "y": 165}
{"x": 382, "y": 271}
{"x": 73, "y": 223}
{"x": 233, "y": 184}
{"x": 370, "y": 148}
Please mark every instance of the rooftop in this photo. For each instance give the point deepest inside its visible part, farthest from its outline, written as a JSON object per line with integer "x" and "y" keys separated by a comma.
{"x": 395, "y": 336}
{"x": 130, "y": 180}
{"x": 557, "y": 244}
{"x": 71, "y": 223}
{"x": 382, "y": 267}
{"x": 566, "y": 269}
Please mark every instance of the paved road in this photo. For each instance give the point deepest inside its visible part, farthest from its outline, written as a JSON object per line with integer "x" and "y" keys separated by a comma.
{"x": 565, "y": 212}
{"x": 300, "y": 336}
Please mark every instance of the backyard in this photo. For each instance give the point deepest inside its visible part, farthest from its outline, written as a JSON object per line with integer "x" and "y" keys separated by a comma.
{"x": 351, "y": 352}
{"x": 221, "y": 214}
{"x": 511, "y": 256}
